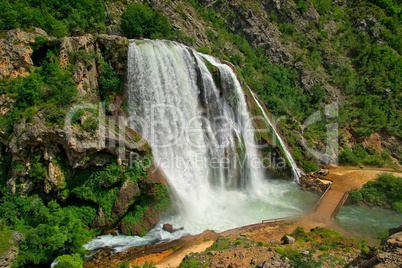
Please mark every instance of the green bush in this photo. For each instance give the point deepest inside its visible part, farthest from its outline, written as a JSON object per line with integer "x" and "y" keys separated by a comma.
{"x": 49, "y": 89}
{"x": 356, "y": 195}
{"x": 37, "y": 172}
{"x": 109, "y": 83}
{"x": 90, "y": 125}
{"x": 373, "y": 160}
{"x": 347, "y": 157}
{"x": 139, "y": 20}
{"x": 69, "y": 261}
{"x": 385, "y": 191}
{"x": 5, "y": 236}
{"x": 49, "y": 229}
{"x": 309, "y": 166}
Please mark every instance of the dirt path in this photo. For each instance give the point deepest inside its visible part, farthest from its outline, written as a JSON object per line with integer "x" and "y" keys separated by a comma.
{"x": 175, "y": 259}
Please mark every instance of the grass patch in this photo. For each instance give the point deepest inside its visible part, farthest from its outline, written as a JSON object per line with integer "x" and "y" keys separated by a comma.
{"x": 5, "y": 235}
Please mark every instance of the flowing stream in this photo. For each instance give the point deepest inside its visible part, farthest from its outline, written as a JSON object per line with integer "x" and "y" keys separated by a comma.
{"x": 192, "y": 110}
{"x": 370, "y": 222}
{"x": 295, "y": 170}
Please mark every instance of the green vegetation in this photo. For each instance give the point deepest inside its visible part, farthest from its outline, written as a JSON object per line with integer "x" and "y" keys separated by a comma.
{"x": 140, "y": 20}
{"x": 49, "y": 229}
{"x": 49, "y": 89}
{"x": 385, "y": 191}
{"x": 367, "y": 156}
{"x": 221, "y": 243}
{"x": 109, "y": 83}
{"x": 5, "y": 236}
{"x": 101, "y": 186}
{"x": 309, "y": 166}
{"x": 69, "y": 261}
{"x": 58, "y": 18}
{"x": 318, "y": 242}
{"x": 126, "y": 264}
{"x": 316, "y": 248}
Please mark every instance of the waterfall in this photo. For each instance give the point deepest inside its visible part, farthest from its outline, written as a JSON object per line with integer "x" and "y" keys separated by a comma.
{"x": 192, "y": 110}
{"x": 295, "y": 170}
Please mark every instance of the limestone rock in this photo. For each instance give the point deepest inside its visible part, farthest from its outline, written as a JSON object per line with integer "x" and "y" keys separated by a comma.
{"x": 391, "y": 257}
{"x": 312, "y": 182}
{"x": 81, "y": 51}
{"x": 311, "y": 13}
{"x": 9, "y": 257}
{"x": 15, "y": 53}
{"x": 288, "y": 240}
{"x": 151, "y": 216}
{"x": 125, "y": 198}
{"x": 394, "y": 241}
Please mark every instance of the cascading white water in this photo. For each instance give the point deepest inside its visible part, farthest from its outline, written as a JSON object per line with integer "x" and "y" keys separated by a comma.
{"x": 295, "y": 170}
{"x": 192, "y": 111}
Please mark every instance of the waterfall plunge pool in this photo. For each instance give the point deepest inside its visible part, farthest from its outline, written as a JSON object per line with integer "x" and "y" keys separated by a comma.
{"x": 276, "y": 198}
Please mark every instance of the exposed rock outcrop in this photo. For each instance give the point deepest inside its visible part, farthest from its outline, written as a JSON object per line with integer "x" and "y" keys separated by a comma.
{"x": 314, "y": 182}
{"x": 82, "y": 52}
{"x": 15, "y": 52}
{"x": 390, "y": 257}
{"x": 9, "y": 257}
{"x": 125, "y": 197}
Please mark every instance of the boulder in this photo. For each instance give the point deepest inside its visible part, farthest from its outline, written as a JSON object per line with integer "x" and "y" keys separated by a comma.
{"x": 394, "y": 241}
{"x": 288, "y": 240}
{"x": 394, "y": 230}
{"x": 125, "y": 198}
{"x": 168, "y": 228}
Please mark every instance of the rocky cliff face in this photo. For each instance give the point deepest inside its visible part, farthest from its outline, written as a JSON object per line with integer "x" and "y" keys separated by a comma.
{"x": 60, "y": 153}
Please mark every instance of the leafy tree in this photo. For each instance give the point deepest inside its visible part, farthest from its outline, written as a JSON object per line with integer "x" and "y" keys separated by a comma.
{"x": 56, "y": 17}
{"x": 109, "y": 82}
{"x": 69, "y": 261}
{"x": 139, "y": 20}
{"x": 49, "y": 229}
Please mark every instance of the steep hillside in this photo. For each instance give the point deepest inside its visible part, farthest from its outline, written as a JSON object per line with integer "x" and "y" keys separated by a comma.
{"x": 303, "y": 57}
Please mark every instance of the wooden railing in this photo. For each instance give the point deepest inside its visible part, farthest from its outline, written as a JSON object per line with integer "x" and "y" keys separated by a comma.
{"x": 282, "y": 219}
{"x": 340, "y": 204}
{"x": 321, "y": 198}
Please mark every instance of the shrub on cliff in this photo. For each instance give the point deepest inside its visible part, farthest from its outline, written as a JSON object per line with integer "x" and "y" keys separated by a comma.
{"x": 139, "y": 20}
